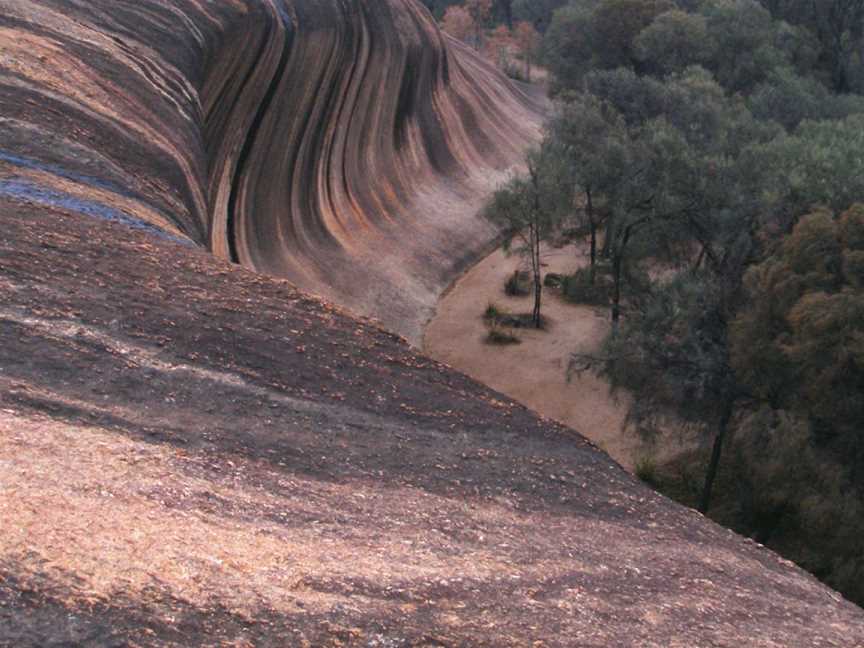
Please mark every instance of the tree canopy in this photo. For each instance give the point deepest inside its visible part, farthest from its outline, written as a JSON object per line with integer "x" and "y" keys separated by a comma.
{"x": 713, "y": 156}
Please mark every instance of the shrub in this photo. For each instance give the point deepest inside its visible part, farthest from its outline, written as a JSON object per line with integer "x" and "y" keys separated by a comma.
{"x": 500, "y": 336}
{"x": 518, "y": 284}
{"x": 553, "y": 280}
{"x": 515, "y": 70}
{"x": 577, "y": 288}
{"x": 494, "y": 316}
{"x": 646, "y": 470}
{"x": 492, "y": 313}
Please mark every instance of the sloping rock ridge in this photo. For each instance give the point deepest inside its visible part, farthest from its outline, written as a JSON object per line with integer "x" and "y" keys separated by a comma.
{"x": 193, "y": 453}
{"x": 342, "y": 144}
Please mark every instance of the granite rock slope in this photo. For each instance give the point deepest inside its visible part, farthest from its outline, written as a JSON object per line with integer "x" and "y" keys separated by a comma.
{"x": 342, "y": 144}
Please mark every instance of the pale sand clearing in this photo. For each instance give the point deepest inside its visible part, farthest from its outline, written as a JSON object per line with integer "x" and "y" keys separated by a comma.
{"x": 534, "y": 372}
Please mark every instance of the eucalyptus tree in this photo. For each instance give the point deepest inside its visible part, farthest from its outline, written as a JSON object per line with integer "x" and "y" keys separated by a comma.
{"x": 529, "y": 209}
{"x": 592, "y": 140}
{"x": 690, "y": 203}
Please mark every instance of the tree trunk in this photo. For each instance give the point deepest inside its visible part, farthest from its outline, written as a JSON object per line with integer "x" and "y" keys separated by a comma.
{"x": 606, "y": 250}
{"x": 592, "y": 225}
{"x": 538, "y": 283}
{"x": 535, "y": 316}
{"x": 716, "y": 453}
{"x": 536, "y": 235}
{"x": 699, "y": 259}
{"x": 616, "y": 292}
{"x": 617, "y": 269}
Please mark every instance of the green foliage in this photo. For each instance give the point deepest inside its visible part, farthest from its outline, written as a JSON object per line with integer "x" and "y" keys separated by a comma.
{"x": 537, "y": 12}
{"x": 820, "y": 164}
{"x": 813, "y": 251}
{"x": 593, "y": 144}
{"x": 674, "y": 41}
{"x": 743, "y": 35}
{"x": 852, "y": 228}
{"x": 837, "y": 29}
{"x": 615, "y": 26}
{"x": 498, "y": 335}
{"x": 553, "y": 280}
{"x": 796, "y": 498}
{"x": 637, "y": 98}
{"x": 646, "y": 470}
{"x": 492, "y": 312}
{"x": 529, "y": 209}
{"x": 782, "y": 491}
{"x": 693, "y": 138}
{"x": 789, "y": 99}
{"x": 531, "y": 200}
{"x": 581, "y": 288}
{"x": 567, "y": 49}
{"x": 670, "y": 353}
{"x": 800, "y": 342}
{"x": 789, "y": 61}
{"x": 518, "y": 284}
{"x": 596, "y": 34}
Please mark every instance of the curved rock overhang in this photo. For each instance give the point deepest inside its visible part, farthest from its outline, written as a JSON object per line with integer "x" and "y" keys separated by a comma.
{"x": 343, "y": 144}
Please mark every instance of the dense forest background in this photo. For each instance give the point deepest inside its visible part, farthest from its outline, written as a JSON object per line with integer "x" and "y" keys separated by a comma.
{"x": 712, "y": 152}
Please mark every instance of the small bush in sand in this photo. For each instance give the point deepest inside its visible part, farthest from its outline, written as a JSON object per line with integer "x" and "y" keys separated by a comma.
{"x": 646, "y": 469}
{"x": 521, "y": 320}
{"x": 498, "y": 335}
{"x": 518, "y": 284}
{"x": 497, "y": 320}
{"x": 579, "y": 289}
{"x": 553, "y": 280}
{"x": 493, "y": 313}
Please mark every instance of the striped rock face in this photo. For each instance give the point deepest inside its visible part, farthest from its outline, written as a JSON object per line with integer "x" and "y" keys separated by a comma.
{"x": 342, "y": 144}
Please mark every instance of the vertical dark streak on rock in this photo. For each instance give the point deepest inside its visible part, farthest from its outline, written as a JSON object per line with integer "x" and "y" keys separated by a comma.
{"x": 254, "y": 129}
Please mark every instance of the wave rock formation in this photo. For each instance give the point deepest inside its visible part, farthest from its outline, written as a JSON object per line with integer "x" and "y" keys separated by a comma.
{"x": 342, "y": 144}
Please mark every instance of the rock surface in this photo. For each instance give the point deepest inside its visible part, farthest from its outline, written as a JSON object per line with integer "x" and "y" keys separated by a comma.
{"x": 341, "y": 144}
{"x": 192, "y": 453}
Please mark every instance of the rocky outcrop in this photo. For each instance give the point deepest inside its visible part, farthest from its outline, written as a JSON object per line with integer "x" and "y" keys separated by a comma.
{"x": 343, "y": 144}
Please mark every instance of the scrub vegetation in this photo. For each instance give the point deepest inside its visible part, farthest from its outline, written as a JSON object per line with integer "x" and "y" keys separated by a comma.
{"x": 709, "y": 154}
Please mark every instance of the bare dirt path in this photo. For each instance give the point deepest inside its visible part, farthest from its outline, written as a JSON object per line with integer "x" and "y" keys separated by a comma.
{"x": 534, "y": 371}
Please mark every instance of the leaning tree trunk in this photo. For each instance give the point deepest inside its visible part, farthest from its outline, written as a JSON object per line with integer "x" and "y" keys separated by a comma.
{"x": 716, "y": 452}
{"x": 538, "y": 283}
{"x": 617, "y": 272}
{"x": 592, "y": 226}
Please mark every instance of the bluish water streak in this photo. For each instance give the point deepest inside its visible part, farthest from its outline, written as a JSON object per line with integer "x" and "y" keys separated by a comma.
{"x": 31, "y": 192}
{"x": 54, "y": 169}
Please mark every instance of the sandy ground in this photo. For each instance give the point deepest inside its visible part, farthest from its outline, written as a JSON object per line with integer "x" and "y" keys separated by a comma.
{"x": 534, "y": 372}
